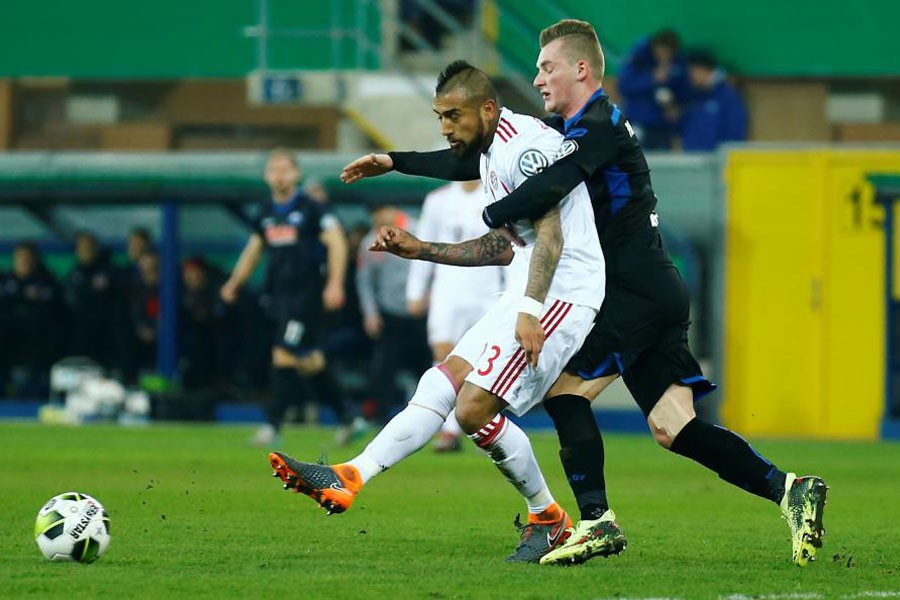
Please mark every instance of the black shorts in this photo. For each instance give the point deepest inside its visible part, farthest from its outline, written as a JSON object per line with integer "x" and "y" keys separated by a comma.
{"x": 298, "y": 333}
{"x": 641, "y": 332}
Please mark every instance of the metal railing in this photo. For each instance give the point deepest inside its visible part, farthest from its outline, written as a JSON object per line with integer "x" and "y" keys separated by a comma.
{"x": 337, "y": 31}
{"x": 367, "y": 51}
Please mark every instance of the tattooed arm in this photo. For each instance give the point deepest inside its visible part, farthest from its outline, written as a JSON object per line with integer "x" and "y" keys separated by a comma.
{"x": 544, "y": 258}
{"x": 490, "y": 249}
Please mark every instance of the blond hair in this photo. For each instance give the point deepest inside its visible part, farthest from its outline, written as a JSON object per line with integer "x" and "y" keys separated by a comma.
{"x": 580, "y": 42}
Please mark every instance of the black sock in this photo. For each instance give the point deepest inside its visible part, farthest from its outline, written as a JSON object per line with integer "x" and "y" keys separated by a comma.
{"x": 329, "y": 391}
{"x": 581, "y": 452}
{"x": 286, "y": 390}
{"x": 731, "y": 457}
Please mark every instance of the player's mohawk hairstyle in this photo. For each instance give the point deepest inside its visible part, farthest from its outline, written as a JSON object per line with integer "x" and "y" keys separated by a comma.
{"x": 461, "y": 74}
{"x": 449, "y": 72}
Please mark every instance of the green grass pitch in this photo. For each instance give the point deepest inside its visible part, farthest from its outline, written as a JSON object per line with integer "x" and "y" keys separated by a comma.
{"x": 195, "y": 514}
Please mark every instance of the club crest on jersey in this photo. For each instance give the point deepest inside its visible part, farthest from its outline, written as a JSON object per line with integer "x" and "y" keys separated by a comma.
{"x": 295, "y": 218}
{"x": 493, "y": 178}
{"x": 568, "y": 147}
{"x": 532, "y": 162}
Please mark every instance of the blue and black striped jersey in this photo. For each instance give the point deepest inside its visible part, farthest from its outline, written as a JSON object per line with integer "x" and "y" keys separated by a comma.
{"x": 296, "y": 256}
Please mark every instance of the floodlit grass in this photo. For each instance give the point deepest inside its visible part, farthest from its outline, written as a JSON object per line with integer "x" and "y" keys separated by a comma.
{"x": 195, "y": 514}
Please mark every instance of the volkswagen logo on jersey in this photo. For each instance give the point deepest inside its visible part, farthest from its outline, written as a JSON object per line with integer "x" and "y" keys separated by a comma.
{"x": 493, "y": 178}
{"x": 532, "y": 162}
{"x": 568, "y": 147}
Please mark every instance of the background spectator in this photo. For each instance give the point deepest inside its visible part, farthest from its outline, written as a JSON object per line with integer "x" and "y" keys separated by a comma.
{"x": 653, "y": 83}
{"x": 716, "y": 113}
{"x": 31, "y": 329}
{"x": 208, "y": 348}
{"x": 139, "y": 241}
{"x": 144, "y": 314}
{"x": 91, "y": 295}
{"x": 430, "y": 29}
{"x": 400, "y": 339}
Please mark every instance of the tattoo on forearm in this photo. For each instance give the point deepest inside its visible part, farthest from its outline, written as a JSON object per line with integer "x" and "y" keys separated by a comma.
{"x": 547, "y": 250}
{"x": 490, "y": 249}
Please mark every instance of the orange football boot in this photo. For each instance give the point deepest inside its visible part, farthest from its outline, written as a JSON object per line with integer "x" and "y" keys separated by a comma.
{"x": 333, "y": 488}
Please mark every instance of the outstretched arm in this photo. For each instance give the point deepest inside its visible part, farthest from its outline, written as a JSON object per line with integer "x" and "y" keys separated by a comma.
{"x": 441, "y": 164}
{"x": 490, "y": 249}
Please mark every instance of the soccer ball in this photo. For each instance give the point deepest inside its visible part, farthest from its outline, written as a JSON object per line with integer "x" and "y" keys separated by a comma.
{"x": 72, "y": 526}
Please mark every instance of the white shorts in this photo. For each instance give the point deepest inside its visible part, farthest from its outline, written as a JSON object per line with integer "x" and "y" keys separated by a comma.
{"x": 498, "y": 360}
{"x": 449, "y": 321}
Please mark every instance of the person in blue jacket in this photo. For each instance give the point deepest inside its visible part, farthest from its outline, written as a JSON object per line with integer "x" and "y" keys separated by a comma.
{"x": 653, "y": 83}
{"x": 716, "y": 113}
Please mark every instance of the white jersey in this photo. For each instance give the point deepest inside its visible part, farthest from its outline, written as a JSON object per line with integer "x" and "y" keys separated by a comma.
{"x": 522, "y": 147}
{"x": 451, "y": 214}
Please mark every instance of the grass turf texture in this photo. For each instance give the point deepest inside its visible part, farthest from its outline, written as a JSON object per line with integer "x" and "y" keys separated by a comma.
{"x": 195, "y": 513}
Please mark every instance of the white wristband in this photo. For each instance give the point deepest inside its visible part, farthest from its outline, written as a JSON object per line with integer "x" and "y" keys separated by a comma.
{"x": 531, "y": 306}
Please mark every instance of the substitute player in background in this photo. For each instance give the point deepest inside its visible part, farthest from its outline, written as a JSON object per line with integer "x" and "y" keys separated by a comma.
{"x": 294, "y": 229}
{"x": 641, "y": 331}
{"x": 556, "y": 283}
{"x": 453, "y": 297}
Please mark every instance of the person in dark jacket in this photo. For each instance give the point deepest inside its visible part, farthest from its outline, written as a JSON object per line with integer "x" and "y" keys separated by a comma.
{"x": 32, "y": 315}
{"x": 209, "y": 345}
{"x": 144, "y": 314}
{"x": 653, "y": 83}
{"x": 716, "y": 112}
{"x": 92, "y": 296}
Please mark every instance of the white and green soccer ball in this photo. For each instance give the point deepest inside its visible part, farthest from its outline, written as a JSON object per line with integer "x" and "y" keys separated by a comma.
{"x": 72, "y": 526}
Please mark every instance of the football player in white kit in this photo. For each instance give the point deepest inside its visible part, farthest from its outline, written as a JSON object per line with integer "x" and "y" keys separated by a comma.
{"x": 443, "y": 292}
{"x": 510, "y": 358}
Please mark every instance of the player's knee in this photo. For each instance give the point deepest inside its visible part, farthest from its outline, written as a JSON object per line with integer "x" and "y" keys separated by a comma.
{"x": 469, "y": 418}
{"x": 436, "y": 392}
{"x": 440, "y": 351}
{"x": 659, "y": 434}
{"x": 456, "y": 369}
{"x": 473, "y": 413}
{"x": 672, "y": 412}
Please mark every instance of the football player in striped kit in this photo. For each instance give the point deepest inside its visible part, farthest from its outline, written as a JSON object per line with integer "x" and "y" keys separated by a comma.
{"x": 512, "y": 356}
{"x": 444, "y": 292}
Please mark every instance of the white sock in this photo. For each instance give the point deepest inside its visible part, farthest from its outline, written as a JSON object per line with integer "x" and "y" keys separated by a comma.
{"x": 509, "y": 448}
{"x": 412, "y": 428}
{"x": 451, "y": 425}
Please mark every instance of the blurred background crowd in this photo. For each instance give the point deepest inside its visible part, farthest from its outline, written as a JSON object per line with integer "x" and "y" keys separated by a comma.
{"x": 102, "y": 302}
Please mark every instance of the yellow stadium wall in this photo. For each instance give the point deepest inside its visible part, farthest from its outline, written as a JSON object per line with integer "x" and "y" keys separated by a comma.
{"x": 804, "y": 293}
